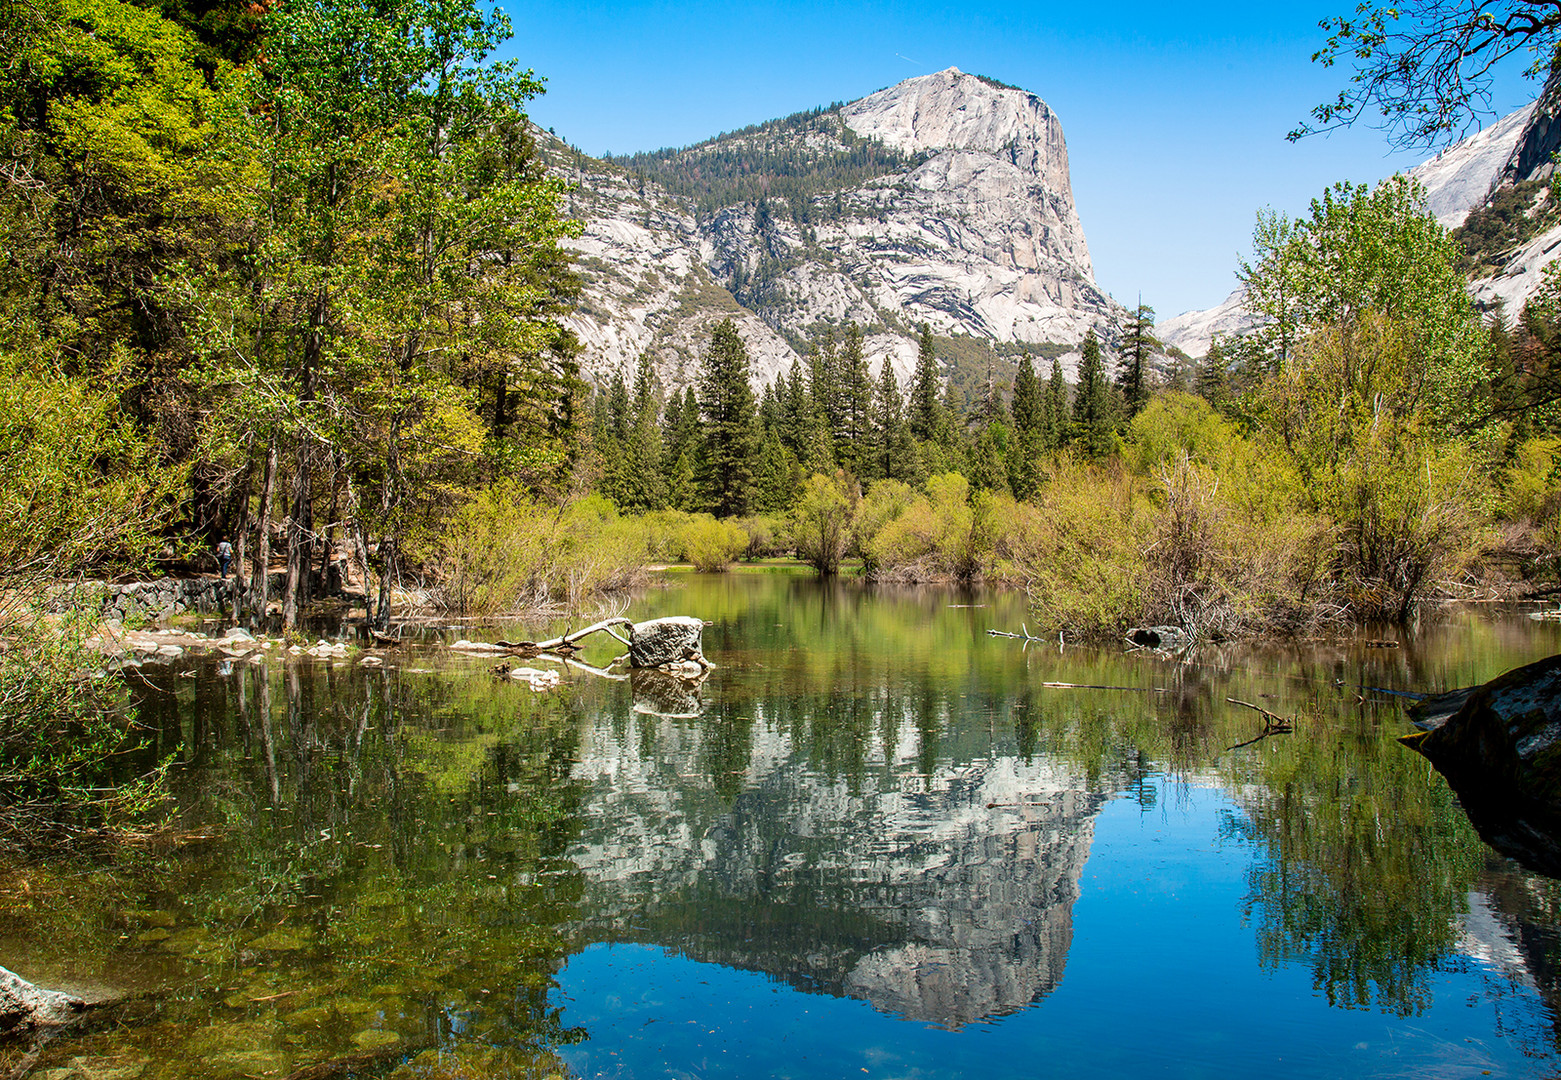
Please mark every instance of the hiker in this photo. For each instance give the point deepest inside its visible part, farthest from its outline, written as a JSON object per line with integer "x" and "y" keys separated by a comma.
{"x": 224, "y": 557}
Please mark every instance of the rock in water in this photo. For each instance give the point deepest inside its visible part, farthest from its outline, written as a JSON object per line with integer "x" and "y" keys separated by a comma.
{"x": 1499, "y": 745}
{"x": 659, "y": 643}
{"x": 25, "y": 1007}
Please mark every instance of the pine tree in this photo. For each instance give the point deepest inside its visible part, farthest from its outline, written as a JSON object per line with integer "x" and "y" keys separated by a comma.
{"x": 923, "y": 419}
{"x": 1092, "y": 419}
{"x": 855, "y": 383}
{"x": 1212, "y": 374}
{"x": 726, "y": 406}
{"x": 796, "y": 411}
{"x": 892, "y": 457}
{"x": 1055, "y": 434}
{"x": 1133, "y": 373}
{"x": 824, "y": 382}
{"x": 644, "y": 480}
{"x": 1028, "y": 407}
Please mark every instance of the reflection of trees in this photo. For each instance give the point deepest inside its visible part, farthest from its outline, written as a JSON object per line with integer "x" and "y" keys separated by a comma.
{"x": 391, "y": 861}
{"x": 1364, "y": 865}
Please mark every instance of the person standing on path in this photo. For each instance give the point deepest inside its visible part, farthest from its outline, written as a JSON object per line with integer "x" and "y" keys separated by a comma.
{"x": 224, "y": 557}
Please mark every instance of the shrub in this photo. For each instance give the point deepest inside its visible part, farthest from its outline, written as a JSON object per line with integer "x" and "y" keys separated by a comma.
{"x": 62, "y": 731}
{"x": 712, "y": 545}
{"x": 505, "y": 553}
{"x": 822, "y": 518}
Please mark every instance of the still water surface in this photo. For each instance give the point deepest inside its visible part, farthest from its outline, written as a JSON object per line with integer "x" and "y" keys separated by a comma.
{"x": 874, "y": 843}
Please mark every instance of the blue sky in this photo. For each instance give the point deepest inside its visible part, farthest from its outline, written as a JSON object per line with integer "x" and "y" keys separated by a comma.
{"x": 1175, "y": 115}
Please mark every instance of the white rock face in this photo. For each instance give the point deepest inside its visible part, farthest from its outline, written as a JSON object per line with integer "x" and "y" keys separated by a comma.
{"x": 1191, "y": 331}
{"x": 976, "y": 236}
{"x": 645, "y": 287}
{"x": 1460, "y": 177}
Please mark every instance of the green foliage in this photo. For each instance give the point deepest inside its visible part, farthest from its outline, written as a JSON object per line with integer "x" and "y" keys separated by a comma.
{"x": 822, "y": 520}
{"x": 945, "y": 533}
{"x": 61, "y": 729}
{"x": 503, "y": 553}
{"x": 1406, "y": 500}
{"x": 1371, "y": 251}
{"x": 80, "y": 485}
{"x": 713, "y": 545}
{"x": 1092, "y": 432}
{"x": 727, "y": 407}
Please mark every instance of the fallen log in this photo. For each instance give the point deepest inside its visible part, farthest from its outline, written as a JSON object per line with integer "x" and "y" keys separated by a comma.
{"x": 567, "y": 640}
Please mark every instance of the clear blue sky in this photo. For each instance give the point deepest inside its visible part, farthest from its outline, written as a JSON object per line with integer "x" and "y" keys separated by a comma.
{"x": 1175, "y": 115}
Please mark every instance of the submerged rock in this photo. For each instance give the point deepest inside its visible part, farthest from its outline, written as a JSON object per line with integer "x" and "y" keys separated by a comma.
{"x": 1499, "y": 745}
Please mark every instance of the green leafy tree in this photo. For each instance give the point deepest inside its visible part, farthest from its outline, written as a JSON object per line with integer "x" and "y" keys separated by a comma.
{"x": 1363, "y": 251}
{"x": 1055, "y": 432}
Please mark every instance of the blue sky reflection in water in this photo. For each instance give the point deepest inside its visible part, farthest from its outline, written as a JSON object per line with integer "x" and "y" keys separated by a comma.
{"x": 1163, "y": 977}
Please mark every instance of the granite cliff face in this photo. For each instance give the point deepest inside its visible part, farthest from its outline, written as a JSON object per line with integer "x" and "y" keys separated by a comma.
{"x": 965, "y": 221}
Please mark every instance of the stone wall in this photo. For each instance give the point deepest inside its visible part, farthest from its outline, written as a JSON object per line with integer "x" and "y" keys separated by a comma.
{"x": 160, "y": 598}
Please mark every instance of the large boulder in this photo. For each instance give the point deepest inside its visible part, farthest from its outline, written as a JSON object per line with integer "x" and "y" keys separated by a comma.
{"x": 1499, "y": 745}
{"x": 669, "y": 642}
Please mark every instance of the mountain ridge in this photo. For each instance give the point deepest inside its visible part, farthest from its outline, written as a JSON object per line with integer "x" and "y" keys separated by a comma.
{"x": 950, "y": 203}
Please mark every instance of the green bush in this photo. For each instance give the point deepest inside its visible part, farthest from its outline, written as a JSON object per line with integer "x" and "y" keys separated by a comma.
{"x": 822, "y": 519}
{"x": 712, "y": 545}
{"x": 505, "y": 553}
{"x": 63, "y": 735}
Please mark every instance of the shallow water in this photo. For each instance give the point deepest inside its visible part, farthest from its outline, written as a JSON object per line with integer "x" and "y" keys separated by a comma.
{"x": 874, "y": 842}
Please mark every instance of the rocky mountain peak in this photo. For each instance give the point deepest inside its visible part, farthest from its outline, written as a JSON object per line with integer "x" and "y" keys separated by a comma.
{"x": 944, "y": 200}
{"x": 950, "y": 110}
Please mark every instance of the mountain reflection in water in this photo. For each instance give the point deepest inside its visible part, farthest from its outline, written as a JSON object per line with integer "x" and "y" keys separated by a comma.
{"x": 868, "y": 801}
{"x": 945, "y": 897}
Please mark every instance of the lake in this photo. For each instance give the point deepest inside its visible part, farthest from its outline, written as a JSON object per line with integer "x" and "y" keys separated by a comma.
{"x": 874, "y": 842}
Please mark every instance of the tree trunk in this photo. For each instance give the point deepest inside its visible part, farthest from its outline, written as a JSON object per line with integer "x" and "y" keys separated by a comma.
{"x": 297, "y": 542}
{"x": 260, "y": 588}
{"x": 361, "y": 543}
{"x": 240, "y": 548}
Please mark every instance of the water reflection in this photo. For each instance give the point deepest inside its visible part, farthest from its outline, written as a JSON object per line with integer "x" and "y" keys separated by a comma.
{"x": 867, "y": 799}
{"x": 942, "y": 895}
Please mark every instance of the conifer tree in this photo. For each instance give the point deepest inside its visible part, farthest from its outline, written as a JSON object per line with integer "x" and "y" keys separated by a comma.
{"x": 1056, "y": 434}
{"x": 644, "y": 480}
{"x": 892, "y": 457}
{"x": 1133, "y": 372}
{"x": 1092, "y": 419}
{"x": 855, "y": 384}
{"x": 727, "y": 408}
{"x": 824, "y": 382}
{"x": 1210, "y": 384}
{"x": 795, "y": 409}
{"x": 923, "y": 419}
{"x": 1028, "y": 407}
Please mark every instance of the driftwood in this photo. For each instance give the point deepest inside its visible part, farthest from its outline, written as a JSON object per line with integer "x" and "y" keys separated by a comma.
{"x": 1273, "y": 723}
{"x": 566, "y": 641}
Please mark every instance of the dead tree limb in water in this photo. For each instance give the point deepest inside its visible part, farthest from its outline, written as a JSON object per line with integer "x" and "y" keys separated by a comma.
{"x": 1273, "y": 723}
{"x": 568, "y": 639}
